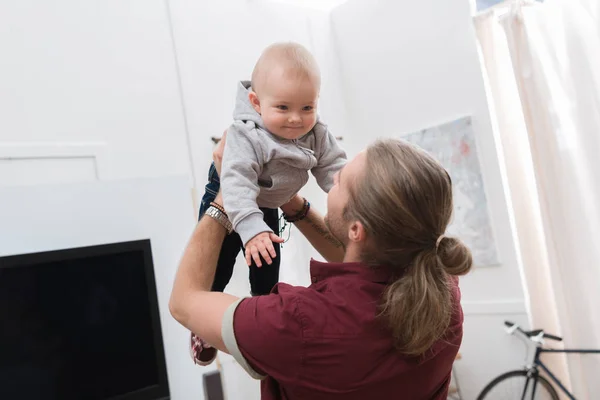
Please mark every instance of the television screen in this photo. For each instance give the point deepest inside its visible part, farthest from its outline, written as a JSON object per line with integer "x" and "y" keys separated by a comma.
{"x": 81, "y": 324}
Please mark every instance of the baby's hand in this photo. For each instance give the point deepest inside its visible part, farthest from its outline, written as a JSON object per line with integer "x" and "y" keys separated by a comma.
{"x": 262, "y": 245}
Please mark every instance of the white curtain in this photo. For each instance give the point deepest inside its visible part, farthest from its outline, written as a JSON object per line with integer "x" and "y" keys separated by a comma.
{"x": 542, "y": 63}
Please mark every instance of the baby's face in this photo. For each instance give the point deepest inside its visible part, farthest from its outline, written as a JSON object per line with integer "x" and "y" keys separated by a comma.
{"x": 288, "y": 105}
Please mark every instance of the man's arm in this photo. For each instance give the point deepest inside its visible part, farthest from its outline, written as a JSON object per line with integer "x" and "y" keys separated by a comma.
{"x": 314, "y": 229}
{"x": 192, "y": 303}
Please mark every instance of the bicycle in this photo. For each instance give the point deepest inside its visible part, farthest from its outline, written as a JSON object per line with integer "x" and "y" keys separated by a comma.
{"x": 528, "y": 383}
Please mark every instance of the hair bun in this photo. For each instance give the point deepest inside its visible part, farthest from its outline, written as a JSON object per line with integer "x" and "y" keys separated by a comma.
{"x": 454, "y": 256}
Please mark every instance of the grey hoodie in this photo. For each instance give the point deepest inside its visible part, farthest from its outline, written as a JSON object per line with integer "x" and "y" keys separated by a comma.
{"x": 263, "y": 170}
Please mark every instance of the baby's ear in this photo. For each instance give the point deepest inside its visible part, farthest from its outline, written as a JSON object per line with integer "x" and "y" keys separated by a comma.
{"x": 254, "y": 101}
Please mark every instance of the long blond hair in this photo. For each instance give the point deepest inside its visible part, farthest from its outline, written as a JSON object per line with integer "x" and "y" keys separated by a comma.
{"x": 405, "y": 206}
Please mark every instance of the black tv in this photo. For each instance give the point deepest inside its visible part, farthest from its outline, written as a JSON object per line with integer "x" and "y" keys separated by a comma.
{"x": 81, "y": 323}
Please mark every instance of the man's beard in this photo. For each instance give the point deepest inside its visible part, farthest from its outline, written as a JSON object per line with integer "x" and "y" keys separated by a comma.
{"x": 336, "y": 227}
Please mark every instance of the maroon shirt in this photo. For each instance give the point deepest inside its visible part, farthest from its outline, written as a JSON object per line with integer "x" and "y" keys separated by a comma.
{"x": 326, "y": 341}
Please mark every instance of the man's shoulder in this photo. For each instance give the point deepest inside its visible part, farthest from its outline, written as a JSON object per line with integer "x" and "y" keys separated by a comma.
{"x": 282, "y": 307}
{"x": 292, "y": 292}
{"x": 293, "y": 300}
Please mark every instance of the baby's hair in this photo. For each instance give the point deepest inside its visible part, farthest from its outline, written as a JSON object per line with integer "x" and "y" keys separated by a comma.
{"x": 293, "y": 57}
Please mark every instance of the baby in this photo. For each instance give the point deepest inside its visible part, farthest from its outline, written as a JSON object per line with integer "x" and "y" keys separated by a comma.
{"x": 276, "y": 138}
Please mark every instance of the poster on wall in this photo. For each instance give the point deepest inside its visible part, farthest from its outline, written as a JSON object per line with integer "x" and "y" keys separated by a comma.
{"x": 453, "y": 144}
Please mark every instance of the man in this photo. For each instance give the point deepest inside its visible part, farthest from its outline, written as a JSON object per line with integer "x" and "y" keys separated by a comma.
{"x": 381, "y": 320}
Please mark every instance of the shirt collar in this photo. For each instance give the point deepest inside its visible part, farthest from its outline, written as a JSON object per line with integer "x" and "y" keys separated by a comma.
{"x": 322, "y": 270}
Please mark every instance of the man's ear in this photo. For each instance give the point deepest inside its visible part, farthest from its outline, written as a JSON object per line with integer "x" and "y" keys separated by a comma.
{"x": 254, "y": 101}
{"x": 356, "y": 232}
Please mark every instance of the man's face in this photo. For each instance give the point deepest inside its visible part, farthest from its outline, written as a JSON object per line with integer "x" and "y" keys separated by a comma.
{"x": 337, "y": 199}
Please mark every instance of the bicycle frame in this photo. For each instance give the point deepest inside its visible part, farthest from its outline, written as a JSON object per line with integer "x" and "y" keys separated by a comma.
{"x": 538, "y": 363}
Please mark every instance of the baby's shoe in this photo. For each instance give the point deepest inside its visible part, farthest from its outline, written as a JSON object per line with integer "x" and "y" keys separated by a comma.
{"x": 202, "y": 353}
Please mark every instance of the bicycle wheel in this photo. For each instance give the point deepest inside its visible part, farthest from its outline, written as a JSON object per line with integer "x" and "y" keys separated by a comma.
{"x": 510, "y": 386}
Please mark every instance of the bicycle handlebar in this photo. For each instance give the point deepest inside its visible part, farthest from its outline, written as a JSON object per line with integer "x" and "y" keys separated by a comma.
{"x": 553, "y": 337}
{"x": 532, "y": 333}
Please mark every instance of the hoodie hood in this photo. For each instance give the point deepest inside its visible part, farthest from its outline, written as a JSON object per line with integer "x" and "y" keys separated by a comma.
{"x": 243, "y": 110}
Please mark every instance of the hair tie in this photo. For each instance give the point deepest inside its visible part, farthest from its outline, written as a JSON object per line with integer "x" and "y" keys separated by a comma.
{"x": 439, "y": 240}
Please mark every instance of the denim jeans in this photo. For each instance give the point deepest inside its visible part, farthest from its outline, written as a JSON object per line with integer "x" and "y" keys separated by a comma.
{"x": 262, "y": 279}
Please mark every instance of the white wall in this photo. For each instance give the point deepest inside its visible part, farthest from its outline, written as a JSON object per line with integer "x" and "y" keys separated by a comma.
{"x": 410, "y": 65}
{"x": 75, "y": 72}
{"x": 49, "y": 217}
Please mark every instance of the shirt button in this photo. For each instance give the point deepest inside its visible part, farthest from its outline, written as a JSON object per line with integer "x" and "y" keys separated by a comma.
{"x": 314, "y": 279}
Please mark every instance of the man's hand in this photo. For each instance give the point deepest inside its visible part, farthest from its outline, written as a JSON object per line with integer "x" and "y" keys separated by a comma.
{"x": 262, "y": 245}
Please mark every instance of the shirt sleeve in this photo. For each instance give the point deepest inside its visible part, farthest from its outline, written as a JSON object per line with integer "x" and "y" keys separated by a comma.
{"x": 264, "y": 334}
{"x": 330, "y": 157}
{"x": 242, "y": 165}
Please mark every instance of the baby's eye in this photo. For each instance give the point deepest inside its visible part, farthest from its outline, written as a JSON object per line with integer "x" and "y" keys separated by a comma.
{"x": 308, "y": 108}
{"x": 282, "y": 107}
